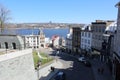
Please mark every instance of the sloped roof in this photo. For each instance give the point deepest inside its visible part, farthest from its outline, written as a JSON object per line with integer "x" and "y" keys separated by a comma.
{"x": 86, "y": 26}
{"x": 28, "y": 31}
{"x": 54, "y": 37}
{"x": 22, "y": 31}
{"x": 112, "y": 27}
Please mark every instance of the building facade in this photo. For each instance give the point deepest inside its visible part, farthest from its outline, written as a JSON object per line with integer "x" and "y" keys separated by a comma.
{"x": 86, "y": 39}
{"x": 33, "y": 38}
{"x": 116, "y": 55}
{"x": 98, "y": 29}
{"x": 55, "y": 41}
{"x": 76, "y": 40}
{"x": 108, "y": 44}
{"x": 11, "y": 42}
{"x": 69, "y": 41}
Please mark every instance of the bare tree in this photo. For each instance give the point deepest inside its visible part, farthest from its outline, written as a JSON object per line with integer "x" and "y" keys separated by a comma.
{"x": 4, "y": 17}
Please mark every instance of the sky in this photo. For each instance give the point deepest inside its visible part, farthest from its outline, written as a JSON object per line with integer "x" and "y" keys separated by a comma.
{"x": 60, "y": 11}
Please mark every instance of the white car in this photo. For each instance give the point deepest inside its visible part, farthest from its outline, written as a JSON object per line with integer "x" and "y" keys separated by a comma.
{"x": 81, "y": 59}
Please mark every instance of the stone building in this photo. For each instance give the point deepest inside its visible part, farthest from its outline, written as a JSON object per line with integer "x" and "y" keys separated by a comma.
{"x": 11, "y": 42}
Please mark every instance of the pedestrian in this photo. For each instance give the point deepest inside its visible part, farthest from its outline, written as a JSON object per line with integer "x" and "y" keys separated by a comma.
{"x": 102, "y": 70}
{"x": 98, "y": 70}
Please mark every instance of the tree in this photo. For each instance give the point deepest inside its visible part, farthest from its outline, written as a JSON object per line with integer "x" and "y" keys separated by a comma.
{"x": 4, "y": 17}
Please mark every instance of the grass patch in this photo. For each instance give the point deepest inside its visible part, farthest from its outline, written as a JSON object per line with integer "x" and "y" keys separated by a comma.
{"x": 43, "y": 61}
{"x": 36, "y": 58}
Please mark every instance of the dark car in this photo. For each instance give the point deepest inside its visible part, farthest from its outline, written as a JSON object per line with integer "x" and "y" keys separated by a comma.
{"x": 87, "y": 63}
{"x": 60, "y": 76}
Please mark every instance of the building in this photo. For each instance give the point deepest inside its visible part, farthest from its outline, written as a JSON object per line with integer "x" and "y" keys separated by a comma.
{"x": 108, "y": 44}
{"x": 33, "y": 38}
{"x": 62, "y": 42}
{"x": 116, "y": 55}
{"x": 69, "y": 41}
{"x": 98, "y": 29}
{"x": 16, "y": 61}
{"x": 11, "y": 42}
{"x": 47, "y": 42}
{"x": 86, "y": 39}
{"x": 58, "y": 42}
{"x": 76, "y": 40}
{"x": 55, "y": 41}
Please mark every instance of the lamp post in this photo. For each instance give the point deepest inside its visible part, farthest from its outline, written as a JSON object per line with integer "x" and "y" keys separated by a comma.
{"x": 38, "y": 66}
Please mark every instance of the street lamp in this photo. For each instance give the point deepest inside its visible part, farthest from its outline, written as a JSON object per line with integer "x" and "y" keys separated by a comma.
{"x": 38, "y": 66}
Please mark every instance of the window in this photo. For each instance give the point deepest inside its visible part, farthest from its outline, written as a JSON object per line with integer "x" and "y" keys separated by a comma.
{"x": 81, "y": 45}
{"x": 96, "y": 37}
{"x": 82, "y": 40}
{"x": 85, "y": 34}
{"x": 14, "y": 45}
{"x": 85, "y": 47}
{"x": 82, "y": 33}
{"x": 85, "y": 41}
{"x": 103, "y": 29}
{"x": 88, "y": 41}
{"x": 89, "y": 34}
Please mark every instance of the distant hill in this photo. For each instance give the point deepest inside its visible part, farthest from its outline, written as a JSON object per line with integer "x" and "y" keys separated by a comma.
{"x": 43, "y": 25}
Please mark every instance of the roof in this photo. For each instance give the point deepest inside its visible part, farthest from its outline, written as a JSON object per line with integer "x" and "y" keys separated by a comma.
{"x": 21, "y": 31}
{"x": 54, "y": 37}
{"x": 28, "y": 31}
{"x": 86, "y": 27}
{"x": 112, "y": 27}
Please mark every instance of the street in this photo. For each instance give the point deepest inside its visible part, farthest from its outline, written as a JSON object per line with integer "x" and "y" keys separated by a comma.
{"x": 73, "y": 69}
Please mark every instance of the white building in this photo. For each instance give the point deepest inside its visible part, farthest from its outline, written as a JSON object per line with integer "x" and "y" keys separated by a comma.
{"x": 69, "y": 41}
{"x": 33, "y": 38}
{"x": 86, "y": 38}
{"x": 62, "y": 42}
{"x": 55, "y": 41}
{"x": 48, "y": 42}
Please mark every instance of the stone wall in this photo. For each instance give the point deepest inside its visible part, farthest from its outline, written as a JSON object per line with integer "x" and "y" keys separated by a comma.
{"x": 10, "y": 40}
{"x": 17, "y": 66}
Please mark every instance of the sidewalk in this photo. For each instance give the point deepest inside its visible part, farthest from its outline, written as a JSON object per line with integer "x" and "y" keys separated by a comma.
{"x": 106, "y": 75}
{"x": 46, "y": 73}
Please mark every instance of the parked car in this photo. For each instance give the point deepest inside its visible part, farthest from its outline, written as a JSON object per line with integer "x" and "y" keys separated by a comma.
{"x": 87, "y": 63}
{"x": 60, "y": 76}
{"x": 81, "y": 59}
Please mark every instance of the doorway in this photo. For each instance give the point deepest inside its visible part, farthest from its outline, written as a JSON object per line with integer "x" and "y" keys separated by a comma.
{"x": 14, "y": 45}
{"x": 6, "y": 45}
